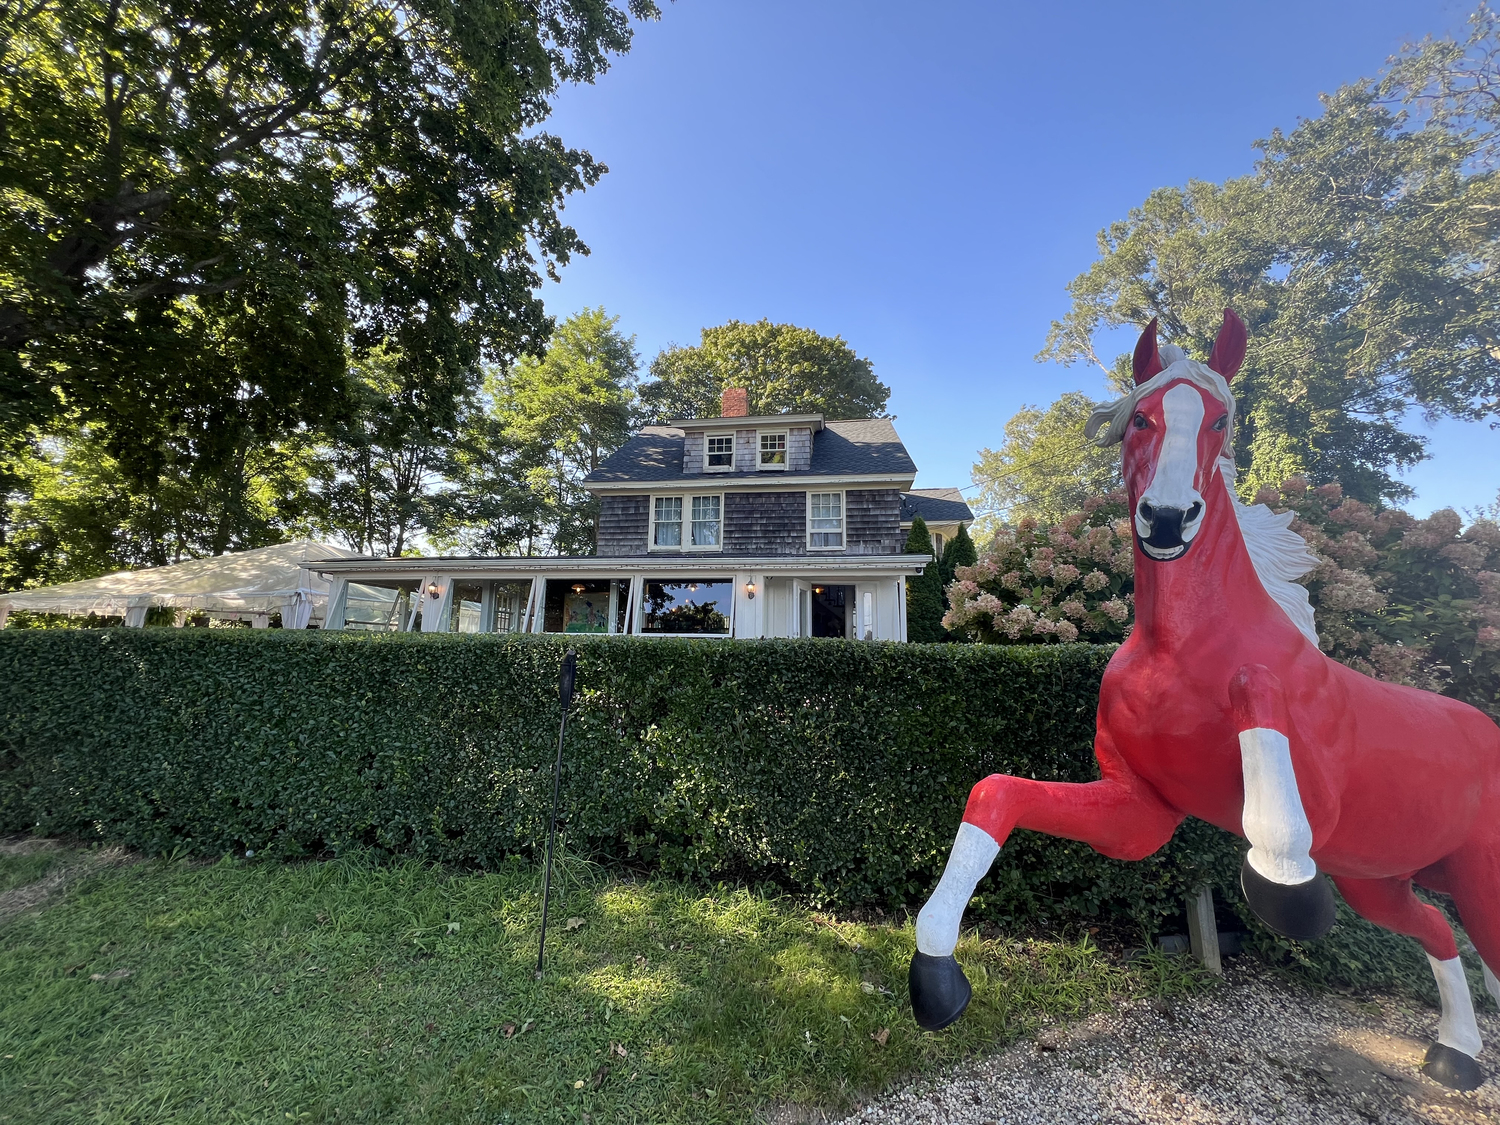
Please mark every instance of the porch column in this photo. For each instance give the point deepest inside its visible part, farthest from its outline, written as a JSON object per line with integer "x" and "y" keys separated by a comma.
{"x": 437, "y": 610}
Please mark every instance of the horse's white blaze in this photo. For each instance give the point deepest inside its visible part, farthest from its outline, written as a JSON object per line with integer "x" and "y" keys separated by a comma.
{"x": 974, "y": 850}
{"x": 1274, "y": 820}
{"x": 1172, "y": 482}
{"x": 1457, "y": 1027}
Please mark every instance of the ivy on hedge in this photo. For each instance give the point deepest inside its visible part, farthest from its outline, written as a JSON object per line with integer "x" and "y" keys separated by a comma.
{"x": 837, "y": 770}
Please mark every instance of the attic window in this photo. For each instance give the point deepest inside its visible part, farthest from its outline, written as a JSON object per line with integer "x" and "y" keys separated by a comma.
{"x": 773, "y": 450}
{"x": 718, "y": 453}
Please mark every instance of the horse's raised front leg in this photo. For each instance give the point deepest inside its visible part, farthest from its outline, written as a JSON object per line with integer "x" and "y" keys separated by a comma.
{"x": 1279, "y": 878}
{"x": 1120, "y": 816}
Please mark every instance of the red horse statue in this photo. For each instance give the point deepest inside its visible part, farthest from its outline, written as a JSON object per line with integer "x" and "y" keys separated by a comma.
{"x": 1221, "y": 706}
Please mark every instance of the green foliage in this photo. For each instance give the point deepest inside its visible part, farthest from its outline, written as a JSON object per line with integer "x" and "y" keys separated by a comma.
{"x": 838, "y": 770}
{"x": 211, "y": 210}
{"x": 924, "y": 592}
{"x": 1041, "y": 585}
{"x": 1358, "y": 252}
{"x": 566, "y": 413}
{"x": 960, "y": 551}
{"x": 786, "y": 369}
{"x": 352, "y": 991}
{"x": 1045, "y": 468}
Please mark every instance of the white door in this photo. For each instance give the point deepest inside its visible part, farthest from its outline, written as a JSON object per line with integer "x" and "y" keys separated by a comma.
{"x": 801, "y": 609}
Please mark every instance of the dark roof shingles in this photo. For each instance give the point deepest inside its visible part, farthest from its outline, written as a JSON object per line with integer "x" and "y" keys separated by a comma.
{"x": 861, "y": 446}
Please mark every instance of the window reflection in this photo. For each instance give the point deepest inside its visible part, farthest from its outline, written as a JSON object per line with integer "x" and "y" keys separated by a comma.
{"x": 691, "y": 606}
{"x": 510, "y": 605}
{"x": 468, "y": 607}
{"x": 383, "y": 607}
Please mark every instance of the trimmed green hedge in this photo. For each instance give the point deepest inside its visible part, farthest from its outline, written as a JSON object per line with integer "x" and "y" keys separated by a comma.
{"x": 836, "y": 770}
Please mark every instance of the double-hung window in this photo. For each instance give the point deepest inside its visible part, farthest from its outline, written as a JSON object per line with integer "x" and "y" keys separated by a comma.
{"x": 825, "y": 520}
{"x": 666, "y": 522}
{"x": 773, "y": 451}
{"x": 718, "y": 453}
{"x": 706, "y": 521}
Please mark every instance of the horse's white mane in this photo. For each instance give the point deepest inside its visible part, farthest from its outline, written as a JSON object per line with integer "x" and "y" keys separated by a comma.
{"x": 1279, "y": 554}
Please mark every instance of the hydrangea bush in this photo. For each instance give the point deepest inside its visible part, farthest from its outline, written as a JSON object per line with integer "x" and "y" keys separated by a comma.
{"x": 1412, "y": 601}
{"x": 1038, "y": 585}
{"x": 1407, "y": 600}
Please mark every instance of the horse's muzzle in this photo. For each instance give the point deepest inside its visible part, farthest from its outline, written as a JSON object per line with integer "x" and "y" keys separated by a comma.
{"x": 1166, "y": 541}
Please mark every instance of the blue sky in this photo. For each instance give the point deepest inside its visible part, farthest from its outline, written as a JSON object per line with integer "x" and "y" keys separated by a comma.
{"x": 924, "y": 180}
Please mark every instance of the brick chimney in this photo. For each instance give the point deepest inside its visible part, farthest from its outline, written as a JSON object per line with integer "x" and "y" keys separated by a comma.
{"x": 735, "y": 402}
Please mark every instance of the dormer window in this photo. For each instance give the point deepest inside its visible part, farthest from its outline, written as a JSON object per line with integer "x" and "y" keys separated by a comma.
{"x": 773, "y": 450}
{"x": 718, "y": 453}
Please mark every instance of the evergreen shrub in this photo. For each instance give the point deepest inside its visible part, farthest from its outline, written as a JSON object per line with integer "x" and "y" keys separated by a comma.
{"x": 836, "y": 770}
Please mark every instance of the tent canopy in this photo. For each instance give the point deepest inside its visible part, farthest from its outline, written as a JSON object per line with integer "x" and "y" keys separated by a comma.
{"x": 259, "y": 582}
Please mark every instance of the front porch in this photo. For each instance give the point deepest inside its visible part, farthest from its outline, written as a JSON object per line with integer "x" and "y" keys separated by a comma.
{"x": 859, "y": 598}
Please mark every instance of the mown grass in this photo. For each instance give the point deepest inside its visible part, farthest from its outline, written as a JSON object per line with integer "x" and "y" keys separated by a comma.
{"x": 349, "y": 991}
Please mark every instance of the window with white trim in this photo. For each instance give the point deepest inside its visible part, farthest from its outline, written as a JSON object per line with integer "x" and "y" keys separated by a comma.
{"x": 666, "y": 522}
{"x": 825, "y": 520}
{"x": 773, "y": 450}
{"x": 718, "y": 453}
{"x": 706, "y": 520}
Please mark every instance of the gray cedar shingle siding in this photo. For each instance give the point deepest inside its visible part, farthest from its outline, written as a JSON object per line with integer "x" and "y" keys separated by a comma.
{"x": 765, "y": 523}
{"x": 872, "y": 518}
{"x": 624, "y": 523}
{"x": 799, "y": 449}
{"x": 692, "y": 452}
{"x": 746, "y": 451}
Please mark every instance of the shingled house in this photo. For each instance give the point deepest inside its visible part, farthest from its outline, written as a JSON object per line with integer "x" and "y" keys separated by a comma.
{"x": 787, "y": 525}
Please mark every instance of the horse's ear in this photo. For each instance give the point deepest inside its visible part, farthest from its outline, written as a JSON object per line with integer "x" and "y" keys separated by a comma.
{"x": 1147, "y": 360}
{"x": 1229, "y": 347}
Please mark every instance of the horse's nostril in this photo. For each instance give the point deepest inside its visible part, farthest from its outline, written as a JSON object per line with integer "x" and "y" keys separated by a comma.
{"x": 1146, "y": 511}
{"x": 1194, "y": 512}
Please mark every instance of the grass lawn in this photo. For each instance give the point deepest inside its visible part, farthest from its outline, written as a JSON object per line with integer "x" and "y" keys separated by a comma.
{"x": 343, "y": 991}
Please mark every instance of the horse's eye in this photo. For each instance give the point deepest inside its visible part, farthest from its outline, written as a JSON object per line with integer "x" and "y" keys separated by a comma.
{"x": 1139, "y": 420}
{"x": 1222, "y": 422}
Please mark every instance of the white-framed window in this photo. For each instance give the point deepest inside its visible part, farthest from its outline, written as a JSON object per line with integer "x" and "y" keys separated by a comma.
{"x": 937, "y": 544}
{"x": 718, "y": 453}
{"x": 692, "y": 523}
{"x": 706, "y": 521}
{"x": 666, "y": 521}
{"x": 825, "y": 521}
{"x": 773, "y": 449}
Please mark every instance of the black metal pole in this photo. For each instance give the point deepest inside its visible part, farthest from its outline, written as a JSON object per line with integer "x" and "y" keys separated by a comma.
{"x": 565, "y": 694}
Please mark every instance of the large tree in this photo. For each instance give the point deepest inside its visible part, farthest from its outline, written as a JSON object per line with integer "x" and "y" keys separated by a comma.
{"x": 563, "y": 415}
{"x": 211, "y": 209}
{"x": 785, "y": 368}
{"x": 1361, "y": 252}
{"x": 1045, "y": 467}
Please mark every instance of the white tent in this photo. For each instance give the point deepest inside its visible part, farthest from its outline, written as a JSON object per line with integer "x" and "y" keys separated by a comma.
{"x": 244, "y": 584}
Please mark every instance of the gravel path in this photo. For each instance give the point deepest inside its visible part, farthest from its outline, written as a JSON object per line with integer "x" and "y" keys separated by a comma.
{"x": 1254, "y": 1051}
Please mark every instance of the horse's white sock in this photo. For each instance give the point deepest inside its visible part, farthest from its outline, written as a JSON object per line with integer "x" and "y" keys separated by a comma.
{"x": 1457, "y": 1027}
{"x": 1274, "y": 821}
{"x": 974, "y": 850}
{"x": 1492, "y": 984}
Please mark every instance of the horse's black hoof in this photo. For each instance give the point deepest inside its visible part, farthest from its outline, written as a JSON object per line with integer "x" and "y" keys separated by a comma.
{"x": 939, "y": 990}
{"x": 1301, "y": 912}
{"x": 1452, "y": 1068}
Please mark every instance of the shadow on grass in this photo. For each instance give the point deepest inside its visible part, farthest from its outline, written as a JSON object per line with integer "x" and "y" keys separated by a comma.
{"x": 351, "y": 991}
